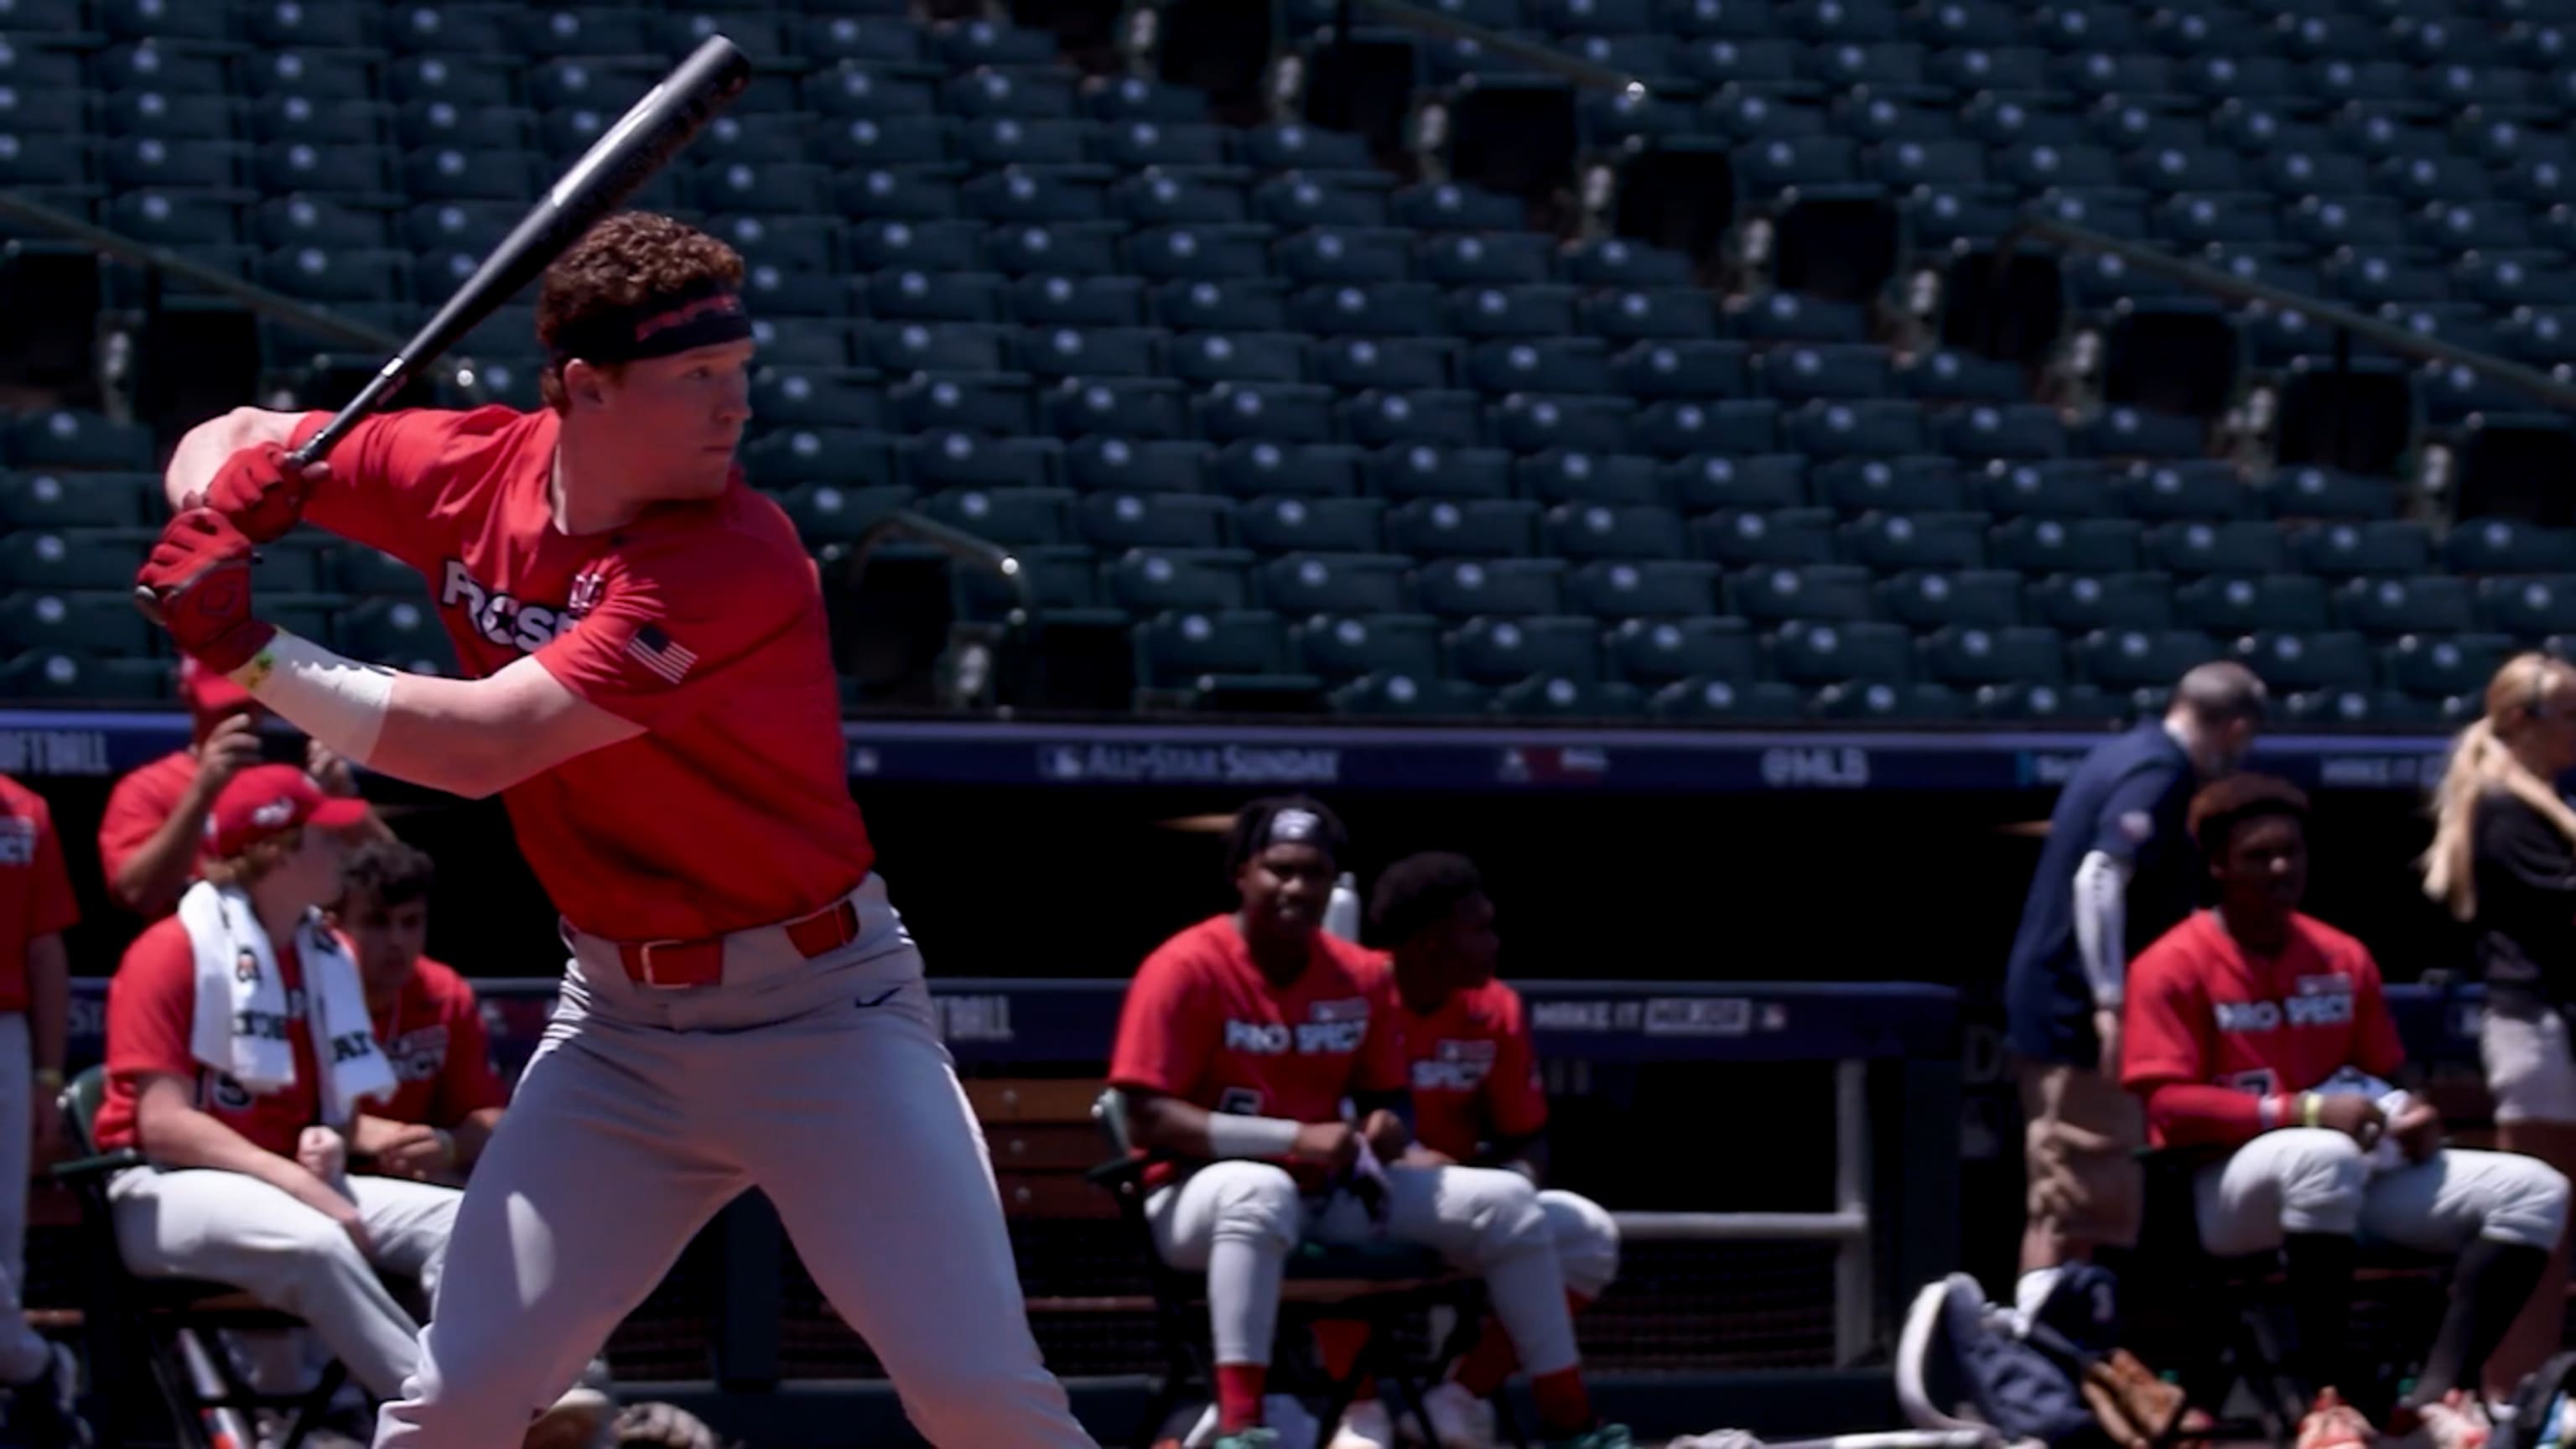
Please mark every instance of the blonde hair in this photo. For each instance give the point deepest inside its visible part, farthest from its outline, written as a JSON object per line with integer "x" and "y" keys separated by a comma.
{"x": 2482, "y": 763}
{"x": 257, "y": 859}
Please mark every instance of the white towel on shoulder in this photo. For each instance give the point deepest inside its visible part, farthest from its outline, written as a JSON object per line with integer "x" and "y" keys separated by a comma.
{"x": 241, "y": 1023}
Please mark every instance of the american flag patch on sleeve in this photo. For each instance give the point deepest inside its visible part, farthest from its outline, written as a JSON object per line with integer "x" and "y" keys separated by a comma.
{"x": 661, "y": 653}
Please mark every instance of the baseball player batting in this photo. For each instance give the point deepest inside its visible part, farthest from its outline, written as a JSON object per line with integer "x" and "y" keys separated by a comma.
{"x": 648, "y": 687}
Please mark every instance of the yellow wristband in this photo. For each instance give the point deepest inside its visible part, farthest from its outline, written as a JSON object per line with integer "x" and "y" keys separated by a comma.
{"x": 2311, "y": 1107}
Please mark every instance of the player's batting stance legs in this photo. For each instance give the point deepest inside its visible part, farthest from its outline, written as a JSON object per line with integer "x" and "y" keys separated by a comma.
{"x": 649, "y": 1109}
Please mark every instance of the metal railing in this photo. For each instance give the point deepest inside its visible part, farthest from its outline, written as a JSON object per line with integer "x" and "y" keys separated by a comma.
{"x": 2346, "y": 323}
{"x": 461, "y": 372}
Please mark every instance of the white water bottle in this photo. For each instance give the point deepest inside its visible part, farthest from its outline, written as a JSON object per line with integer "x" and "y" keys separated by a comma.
{"x": 1342, "y": 912}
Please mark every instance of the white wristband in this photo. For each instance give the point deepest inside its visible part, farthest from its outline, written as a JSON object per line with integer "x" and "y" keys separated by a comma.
{"x": 1233, "y": 1135}
{"x": 338, "y": 701}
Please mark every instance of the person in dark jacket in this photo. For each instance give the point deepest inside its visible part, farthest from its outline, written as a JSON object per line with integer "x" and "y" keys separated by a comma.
{"x": 2119, "y": 869}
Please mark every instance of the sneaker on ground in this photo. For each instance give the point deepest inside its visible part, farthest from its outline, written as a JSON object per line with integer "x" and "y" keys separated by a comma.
{"x": 2454, "y": 1421}
{"x": 1296, "y": 1424}
{"x": 1364, "y": 1426}
{"x": 2330, "y": 1423}
{"x": 1459, "y": 1420}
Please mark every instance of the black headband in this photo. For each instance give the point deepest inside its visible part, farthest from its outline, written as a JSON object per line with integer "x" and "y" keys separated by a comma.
{"x": 702, "y": 316}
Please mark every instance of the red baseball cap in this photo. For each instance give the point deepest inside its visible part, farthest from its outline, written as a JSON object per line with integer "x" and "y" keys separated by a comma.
{"x": 210, "y": 694}
{"x": 266, "y": 800}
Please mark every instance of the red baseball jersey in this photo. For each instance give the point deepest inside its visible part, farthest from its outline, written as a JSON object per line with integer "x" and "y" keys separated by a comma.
{"x": 2204, "y": 1010}
{"x": 141, "y": 803}
{"x": 701, "y": 621}
{"x": 1202, "y": 1023}
{"x": 441, "y": 1053}
{"x": 151, "y": 1004}
{"x": 35, "y": 890}
{"x": 1471, "y": 1068}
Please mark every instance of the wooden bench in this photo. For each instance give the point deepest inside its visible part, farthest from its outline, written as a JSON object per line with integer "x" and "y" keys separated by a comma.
{"x": 1042, "y": 1138}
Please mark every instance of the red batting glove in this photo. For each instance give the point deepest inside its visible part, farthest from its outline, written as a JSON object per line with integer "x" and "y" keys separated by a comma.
{"x": 261, "y": 492}
{"x": 198, "y": 579}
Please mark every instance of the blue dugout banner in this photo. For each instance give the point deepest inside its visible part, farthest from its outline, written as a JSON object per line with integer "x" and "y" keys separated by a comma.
{"x": 39, "y": 744}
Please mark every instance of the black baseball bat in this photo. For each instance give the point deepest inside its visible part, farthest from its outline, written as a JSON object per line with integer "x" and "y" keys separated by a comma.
{"x": 620, "y": 161}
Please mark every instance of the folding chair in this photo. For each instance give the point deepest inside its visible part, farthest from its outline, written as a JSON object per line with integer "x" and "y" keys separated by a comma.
{"x": 1373, "y": 1283}
{"x": 2217, "y": 1322}
{"x": 171, "y": 1325}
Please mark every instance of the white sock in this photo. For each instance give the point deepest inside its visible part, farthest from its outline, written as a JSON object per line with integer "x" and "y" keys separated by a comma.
{"x": 2031, "y": 1292}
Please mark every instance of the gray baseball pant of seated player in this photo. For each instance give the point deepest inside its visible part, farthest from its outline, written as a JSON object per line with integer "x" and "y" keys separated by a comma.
{"x": 233, "y": 1228}
{"x": 1239, "y": 1220}
{"x": 2316, "y": 1180}
{"x": 823, "y": 1083}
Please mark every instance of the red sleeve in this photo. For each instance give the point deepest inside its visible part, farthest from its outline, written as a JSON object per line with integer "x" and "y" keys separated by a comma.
{"x": 466, "y": 1082}
{"x": 2160, "y": 1037}
{"x": 2376, "y": 1048}
{"x": 1380, "y": 1065}
{"x": 1515, "y": 1102}
{"x": 134, "y": 811}
{"x": 151, "y": 1002}
{"x": 1164, "y": 1035}
{"x": 385, "y": 480}
{"x": 2204, "y": 1114}
{"x": 671, "y": 624}
{"x": 2165, "y": 1059}
{"x": 50, "y": 907}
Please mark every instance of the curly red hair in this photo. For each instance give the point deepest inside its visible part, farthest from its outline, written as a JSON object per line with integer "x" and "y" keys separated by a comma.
{"x": 617, "y": 265}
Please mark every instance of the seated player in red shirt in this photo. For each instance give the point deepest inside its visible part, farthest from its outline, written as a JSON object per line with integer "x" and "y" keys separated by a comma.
{"x": 218, "y": 1022}
{"x": 1477, "y": 1100}
{"x": 447, "y": 1100}
{"x": 2260, "y": 1039}
{"x": 1239, "y": 1042}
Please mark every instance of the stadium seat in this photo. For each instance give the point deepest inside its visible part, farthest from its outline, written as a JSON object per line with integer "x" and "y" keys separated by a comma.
{"x": 1740, "y": 537}
{"x": 2294, "y": 660}
{"x": 2528, "y": 607}
{"x": 2055, "y": 490}
{"x": 1931, "y": 598}
{"x": 1497, "y": 651}
{"x": 1710, "y": 482}
{"x": 1463, "y": 588}
{"x": 2201, "y": 489}
{"x": 2508, "y": 546}
{"x": 1812, "y": 653}
{"x": 1421, "y": 470}
{"x": 2446, "y": 666}
{"x": 1287, "y": 523}
{"x": 1476, "y": 527}
{"x": 1211, "y": 651}
{"x": 2235, "y": 604}
{"x": 1710, "y": 700}
{"x": 2217, "y": 548}
{"x": 1303, "y": 584}
{"x": 1927, "y": 485}
{"x": 2072, "y": 545}
{"x": 1395, "y": 693}
{"x": 2084, "y": 603}
{"x": 2126, "y": 658}
{"x": 1152, "y": 580}
{"x": 1252, "y": 467}
{"x": 2424, "y": 604}
{"x": 1973, "y": 654}
{"x": 1006, "y": 515}
{"x": 1812, "y": 592}
{"x": 1348, "y": 646}
{"x": 1573, "y": 476}
{"x": 1892, "y": 542}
